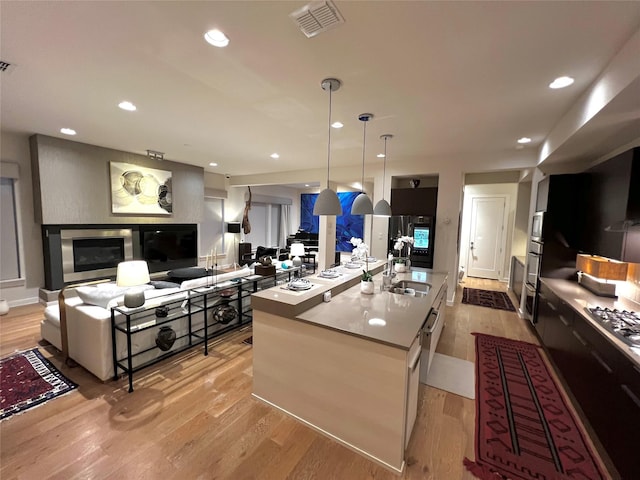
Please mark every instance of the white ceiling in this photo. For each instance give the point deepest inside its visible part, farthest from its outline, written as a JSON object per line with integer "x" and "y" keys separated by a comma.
{"x": 446, "y": 78}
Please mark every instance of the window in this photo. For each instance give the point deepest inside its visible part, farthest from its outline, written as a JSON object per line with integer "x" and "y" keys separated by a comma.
{"x": 212, "y": 228}
{"x": 9, "y": 246}
{"x": 265, "y": 225}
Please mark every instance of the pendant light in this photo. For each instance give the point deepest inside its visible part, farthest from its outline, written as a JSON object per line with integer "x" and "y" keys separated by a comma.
{"x": 362, "y": 205}
{"x": 383, "y": 209}
{"x": 328, "y": 202}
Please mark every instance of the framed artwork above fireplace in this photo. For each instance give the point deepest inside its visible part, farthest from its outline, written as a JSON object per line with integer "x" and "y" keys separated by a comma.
{"x": 141, "y": 190}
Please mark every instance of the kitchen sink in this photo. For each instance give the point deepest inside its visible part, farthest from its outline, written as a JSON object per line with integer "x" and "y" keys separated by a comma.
{"x": 411, "y": 288}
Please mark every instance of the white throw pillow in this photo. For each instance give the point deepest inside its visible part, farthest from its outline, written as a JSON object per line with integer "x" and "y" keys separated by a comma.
{"x": 106, "y": 295}
{"x": 100, "y": 297}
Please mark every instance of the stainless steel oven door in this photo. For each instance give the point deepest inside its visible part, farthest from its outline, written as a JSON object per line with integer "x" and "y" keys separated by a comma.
{"x": 530, "y": 301}
{"x": 534, "y": 262}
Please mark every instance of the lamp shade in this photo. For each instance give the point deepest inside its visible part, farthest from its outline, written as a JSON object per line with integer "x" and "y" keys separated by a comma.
{"x": 382, "y": 209}
{"x": 327, "y": 203}
{"x": 132, "y": 273}
{"x": 233, "y": 227}
{"x": 297, "y": 249}
{"x": 362, "y": 205}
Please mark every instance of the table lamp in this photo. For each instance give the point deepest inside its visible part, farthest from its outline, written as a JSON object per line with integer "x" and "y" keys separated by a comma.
{"x": 234, "y": 227}
{"x": 297, "y": 250}
{"x": 595, "y": 274}
{"x": 133, "y": 274}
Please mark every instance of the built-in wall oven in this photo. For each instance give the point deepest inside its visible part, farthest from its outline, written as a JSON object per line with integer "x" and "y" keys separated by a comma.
{"x": 534, "y": 262}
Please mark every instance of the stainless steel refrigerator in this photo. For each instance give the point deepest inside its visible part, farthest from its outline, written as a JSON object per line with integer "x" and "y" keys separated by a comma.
{"x": 422, "y": 229}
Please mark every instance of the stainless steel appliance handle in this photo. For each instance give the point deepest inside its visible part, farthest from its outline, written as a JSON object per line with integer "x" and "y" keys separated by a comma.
{"x": 631, "y": 395}
{"x": 435, "y": 322}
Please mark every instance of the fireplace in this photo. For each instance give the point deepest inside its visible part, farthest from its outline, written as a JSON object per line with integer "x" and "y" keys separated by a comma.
{"x": 94, "y": 253}
{"x": 78, "y": 253}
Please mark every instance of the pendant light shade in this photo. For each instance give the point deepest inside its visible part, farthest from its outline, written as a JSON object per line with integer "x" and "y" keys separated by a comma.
{"x": 328, "y": 202}
{"x": 382, "y": 208}
{"x": 362, "y": 204}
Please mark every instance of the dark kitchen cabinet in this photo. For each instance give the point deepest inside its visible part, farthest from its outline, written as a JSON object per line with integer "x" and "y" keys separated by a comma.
{"x": 612, "y": 198}
{"x": 604, "y": 382}
{"x": 546, "y": 309}
{"x": 559, "y": 196}
{"x": 414, "y": 201}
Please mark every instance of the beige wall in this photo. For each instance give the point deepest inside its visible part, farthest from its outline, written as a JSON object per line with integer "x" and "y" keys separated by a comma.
{"x": 74, "y": 186}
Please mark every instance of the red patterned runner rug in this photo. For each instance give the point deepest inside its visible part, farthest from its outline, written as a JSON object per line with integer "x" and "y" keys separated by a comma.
{"x": 524, "y": 428}
{"x": 28, "y": 379}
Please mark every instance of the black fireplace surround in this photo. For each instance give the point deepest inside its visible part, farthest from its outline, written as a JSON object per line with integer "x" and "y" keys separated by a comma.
{"x": 76, "y": 253}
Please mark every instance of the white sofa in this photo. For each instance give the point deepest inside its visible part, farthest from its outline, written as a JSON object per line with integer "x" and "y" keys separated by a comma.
{"x": 89, "y": 326}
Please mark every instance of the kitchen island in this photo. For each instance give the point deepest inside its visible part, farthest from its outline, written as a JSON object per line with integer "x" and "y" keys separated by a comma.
{"x": 349, "y": 367}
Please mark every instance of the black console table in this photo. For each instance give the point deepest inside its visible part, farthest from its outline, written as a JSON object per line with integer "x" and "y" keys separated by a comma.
{"x": 195, "y": 316}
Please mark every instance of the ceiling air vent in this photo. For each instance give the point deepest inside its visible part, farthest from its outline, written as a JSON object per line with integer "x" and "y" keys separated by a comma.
{"x": 5, "y": 66}
{"x": 317, "y": 17}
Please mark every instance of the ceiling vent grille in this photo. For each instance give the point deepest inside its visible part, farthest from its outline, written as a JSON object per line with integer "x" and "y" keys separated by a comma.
{"x": 5, "y": 66}
{"x": 317, "y": 17}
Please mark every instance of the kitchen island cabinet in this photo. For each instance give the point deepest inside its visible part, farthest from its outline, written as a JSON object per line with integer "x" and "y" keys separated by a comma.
{"x": 602, "y": 372}
{"x": 348, "y": 368}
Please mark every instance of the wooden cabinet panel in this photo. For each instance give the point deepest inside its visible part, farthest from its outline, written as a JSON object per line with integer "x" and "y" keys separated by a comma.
{"x": 414, "y": 201}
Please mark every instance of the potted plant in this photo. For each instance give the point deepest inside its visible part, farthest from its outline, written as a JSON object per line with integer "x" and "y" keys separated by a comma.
{"x": 400, "y": 265}
{"x": 366, "y": 280}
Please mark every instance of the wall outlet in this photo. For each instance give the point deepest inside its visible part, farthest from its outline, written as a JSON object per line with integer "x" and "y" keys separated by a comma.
{"x": 326, "y": 297}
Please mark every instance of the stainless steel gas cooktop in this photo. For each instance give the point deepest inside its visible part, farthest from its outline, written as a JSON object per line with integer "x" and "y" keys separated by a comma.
{"x": 622, "y": 323}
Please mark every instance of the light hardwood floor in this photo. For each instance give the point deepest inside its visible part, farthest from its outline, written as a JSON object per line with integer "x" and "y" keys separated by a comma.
{"x": 193, "y": 417}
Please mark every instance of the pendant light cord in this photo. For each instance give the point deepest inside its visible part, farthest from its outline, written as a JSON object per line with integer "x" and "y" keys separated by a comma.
{"x": 329, "y": 144}
{"x": 384, "y": 166}
{"x": 364, "y": 144}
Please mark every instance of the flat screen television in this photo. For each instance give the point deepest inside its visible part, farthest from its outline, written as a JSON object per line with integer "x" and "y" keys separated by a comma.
{"x": 167, "y": 247}
{"x": 421, "y": 234}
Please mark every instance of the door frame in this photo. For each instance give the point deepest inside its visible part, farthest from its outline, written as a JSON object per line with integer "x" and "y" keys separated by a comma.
{"x": 466, "y": 235}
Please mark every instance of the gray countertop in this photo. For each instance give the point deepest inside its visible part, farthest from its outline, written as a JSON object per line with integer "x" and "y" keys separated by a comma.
{"x": 580, "y": 299}
{"x": 383, "y": 317}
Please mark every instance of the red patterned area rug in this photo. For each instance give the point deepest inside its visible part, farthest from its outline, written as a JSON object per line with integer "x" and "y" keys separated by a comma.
{"x": 524, "y": 428}
{"x": 28, "y": 379}
{"x": 487, "y": 298}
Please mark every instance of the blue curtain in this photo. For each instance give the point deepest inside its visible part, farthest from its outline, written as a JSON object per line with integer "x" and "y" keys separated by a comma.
{"x": 347, "y": 225}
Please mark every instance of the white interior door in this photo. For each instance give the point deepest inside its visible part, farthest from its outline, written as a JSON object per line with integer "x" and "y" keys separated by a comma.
{"x": 486, "y": 237}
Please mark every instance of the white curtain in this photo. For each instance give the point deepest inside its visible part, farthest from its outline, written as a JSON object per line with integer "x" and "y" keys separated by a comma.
{"x": 285, "y": 225}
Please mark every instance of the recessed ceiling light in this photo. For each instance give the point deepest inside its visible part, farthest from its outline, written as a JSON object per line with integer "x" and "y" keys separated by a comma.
{"x": 274, "y": 155}
{"x": 524, "y": 140}
{"x": 216, "y": 38}
{"x": 213, "y": 164}
{"x": 68, "y": 131}
{"x": 380, "y": 155}
{"x": 130, "y": 107}
{"x": 561, "y": 82}
{"x": 307, "y": 185}
{"x": 337, "y": 125}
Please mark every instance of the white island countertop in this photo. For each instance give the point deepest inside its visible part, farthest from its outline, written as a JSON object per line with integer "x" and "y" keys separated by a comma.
{"x": 384, "y": 317}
